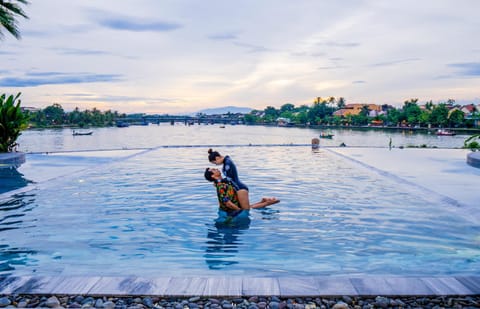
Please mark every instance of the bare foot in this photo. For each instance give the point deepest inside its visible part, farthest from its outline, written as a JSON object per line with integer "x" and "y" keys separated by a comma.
{"x": 273, "y": 200}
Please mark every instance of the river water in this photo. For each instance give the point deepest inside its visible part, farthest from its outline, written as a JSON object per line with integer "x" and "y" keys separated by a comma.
{"x": 55, "y": 140}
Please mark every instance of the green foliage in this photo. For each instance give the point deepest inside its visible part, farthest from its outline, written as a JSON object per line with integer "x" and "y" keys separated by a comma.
{"x": 456, "y": 118}
{"x": 439, "y": 115}
{"x": 471, "y": 143}
{"x": 12, "y": 121}
{"x": 9, "y": 10}
{"x": 54, "y": 115}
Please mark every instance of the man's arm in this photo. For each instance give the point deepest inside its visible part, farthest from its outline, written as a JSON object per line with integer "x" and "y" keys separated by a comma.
{"x": 222, "y": 191}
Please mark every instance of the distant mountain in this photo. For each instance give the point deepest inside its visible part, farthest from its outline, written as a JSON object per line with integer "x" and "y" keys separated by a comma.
{"x": 224, "y": 110}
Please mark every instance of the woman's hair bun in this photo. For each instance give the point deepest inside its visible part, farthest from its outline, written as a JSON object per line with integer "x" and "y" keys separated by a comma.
{"x": 210, "y": 150}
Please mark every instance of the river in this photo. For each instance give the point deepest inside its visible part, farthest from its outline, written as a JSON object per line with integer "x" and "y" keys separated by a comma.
{"x": 58, "y": 140}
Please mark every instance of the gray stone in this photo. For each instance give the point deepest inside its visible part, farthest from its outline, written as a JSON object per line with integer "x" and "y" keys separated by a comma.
{"x": 4, "y": 301}
{"x": 109, "y": 305}
{"x": 148, "y": 302}
{"x": 253, "y": 299}
{"x": 52, "y": 302}
{"x": 273, "y": 305}
{"x": 262, "y": 305}
{"x": 347, "y": 299}
{"x": 99, "y": 303}
{"x": 340, "y": 305}
{"x": 382, "y": 302}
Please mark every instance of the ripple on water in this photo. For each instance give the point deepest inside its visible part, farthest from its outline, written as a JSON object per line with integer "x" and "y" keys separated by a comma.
{"x": 154, "y": 214}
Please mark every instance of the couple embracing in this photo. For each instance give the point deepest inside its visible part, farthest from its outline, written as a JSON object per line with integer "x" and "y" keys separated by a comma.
{"x": 232, "y": 194}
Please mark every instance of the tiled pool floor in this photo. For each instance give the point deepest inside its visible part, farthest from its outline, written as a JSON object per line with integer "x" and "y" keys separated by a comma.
{"x": 442, "y": 171}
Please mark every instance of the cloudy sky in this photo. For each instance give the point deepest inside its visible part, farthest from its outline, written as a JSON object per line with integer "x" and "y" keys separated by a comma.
{"x": 178, "y": 56}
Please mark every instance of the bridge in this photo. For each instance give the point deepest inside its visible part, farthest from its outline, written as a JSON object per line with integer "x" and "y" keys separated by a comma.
{"x": 188, "y": 120}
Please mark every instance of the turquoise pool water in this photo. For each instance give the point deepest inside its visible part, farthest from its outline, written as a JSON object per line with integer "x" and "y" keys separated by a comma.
{"x": 153, "y": 214}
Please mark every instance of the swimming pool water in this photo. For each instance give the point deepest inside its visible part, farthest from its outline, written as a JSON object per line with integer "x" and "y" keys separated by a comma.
{"x": 153, "y": 214}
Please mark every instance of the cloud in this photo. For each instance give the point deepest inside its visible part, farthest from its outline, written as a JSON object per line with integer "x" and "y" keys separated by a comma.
{"x": 130, "y": 24}
{"x": 72, "y": 51}
{"x": 252, "y": 48}
{"x": 88, "y": 97}
{"x": 467, "y": 68}
{"x": 223, "y": 36}
{"x": 393, "y": 62}
{"x": 339, "y": 44}
{"x": 332, "y": 67}
{"x": 359, "y": 82}
{"x": 56, "y": 78}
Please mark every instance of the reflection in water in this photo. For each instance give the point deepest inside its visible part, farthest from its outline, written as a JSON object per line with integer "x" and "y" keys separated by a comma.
{"x": 12, "y": 217}
{"x": 12, "y": 179}
{"x": 223, "y": 243}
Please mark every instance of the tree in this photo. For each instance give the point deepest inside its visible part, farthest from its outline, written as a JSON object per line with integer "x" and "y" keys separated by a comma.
{"x": 54, "y": 114}
{"x": 251, "y": 118}
{"x": 365, "y": 111}
{"x": 439, "y": 116}
{"x": 456, "y": 118}
{"x": 393, "y": 117}
{"x": 288, "y": 107}
{"x": 271, "y": 114}
{"x": 411, "y": 111}
{"x": 9, "y": 11}
{"x": 341, "y": 103}
{"x": 12, "y": 121}
{"x": 471, "y": 142}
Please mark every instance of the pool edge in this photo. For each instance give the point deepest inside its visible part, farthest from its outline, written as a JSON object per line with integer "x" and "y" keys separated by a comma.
{"x": 241, "y": 286}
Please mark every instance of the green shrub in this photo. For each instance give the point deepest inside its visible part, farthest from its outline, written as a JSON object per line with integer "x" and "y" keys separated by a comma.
{"x": 471, "y": 143}
{"x": 12, "y": 121}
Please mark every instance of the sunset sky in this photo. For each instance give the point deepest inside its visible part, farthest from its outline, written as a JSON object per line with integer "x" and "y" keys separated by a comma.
{"x": 181, "y": 56}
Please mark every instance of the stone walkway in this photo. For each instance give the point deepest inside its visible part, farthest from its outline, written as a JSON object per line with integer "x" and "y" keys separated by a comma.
{"x": 241, "y": 286}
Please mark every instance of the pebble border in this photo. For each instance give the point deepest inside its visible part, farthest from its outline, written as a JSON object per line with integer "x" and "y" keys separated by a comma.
{"x": 252, "y": 302}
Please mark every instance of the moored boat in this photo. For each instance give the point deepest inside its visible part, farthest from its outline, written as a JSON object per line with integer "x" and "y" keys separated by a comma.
{"x": 444, "y": 132}
{"x": 326, "y": 135}
{"x": 75, "y": 133}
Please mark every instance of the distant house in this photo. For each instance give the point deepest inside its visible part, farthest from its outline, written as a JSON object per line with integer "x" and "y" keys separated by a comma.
{"x": 29, "y": 109}
{"x": 469, "y": 109}
{"x": 284, "y": 122}
{"x": 376, "y": 123}
{"x": 356, "y": 108}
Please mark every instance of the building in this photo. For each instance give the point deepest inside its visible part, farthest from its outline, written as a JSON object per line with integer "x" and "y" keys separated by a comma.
{"x": 356, "y": 109}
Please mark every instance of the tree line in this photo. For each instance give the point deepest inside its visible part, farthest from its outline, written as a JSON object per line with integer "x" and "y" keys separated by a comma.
{"x": 55, "y": 115}
{"x": 321, "y": 112}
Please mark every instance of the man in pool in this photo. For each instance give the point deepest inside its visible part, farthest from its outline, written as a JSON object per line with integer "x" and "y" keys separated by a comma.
{"x": 227, "y": 196}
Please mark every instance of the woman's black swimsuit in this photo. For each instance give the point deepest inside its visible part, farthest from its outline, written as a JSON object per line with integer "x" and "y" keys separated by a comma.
{"x": 230, "y": 170}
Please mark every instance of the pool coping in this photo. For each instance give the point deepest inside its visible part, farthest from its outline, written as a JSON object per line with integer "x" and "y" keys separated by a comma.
{"x": 300, "y": 286}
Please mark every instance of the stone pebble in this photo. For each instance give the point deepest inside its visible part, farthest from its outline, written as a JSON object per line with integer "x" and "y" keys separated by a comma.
{"x": 250, "y": 302}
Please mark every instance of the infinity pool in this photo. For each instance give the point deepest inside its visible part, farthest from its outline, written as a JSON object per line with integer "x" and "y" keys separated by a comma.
{"x": 153, "y": 214}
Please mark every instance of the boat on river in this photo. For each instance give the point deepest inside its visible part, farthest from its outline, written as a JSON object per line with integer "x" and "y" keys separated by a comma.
{"x": 76, "y": 133}
{"x": 326, "y": 135}
{"x": 444, "y": 132}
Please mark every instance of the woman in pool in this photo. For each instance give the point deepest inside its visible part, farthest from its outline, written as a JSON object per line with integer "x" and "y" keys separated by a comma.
{"x": 228, "y": 199}
{"x": 230, "y": 171}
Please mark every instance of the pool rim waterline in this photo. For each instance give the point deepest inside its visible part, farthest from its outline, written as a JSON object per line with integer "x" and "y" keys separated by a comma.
{"x": 368, "y": 285}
